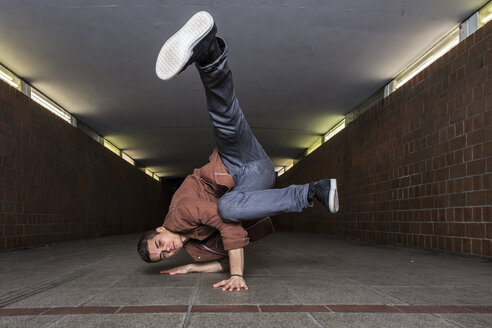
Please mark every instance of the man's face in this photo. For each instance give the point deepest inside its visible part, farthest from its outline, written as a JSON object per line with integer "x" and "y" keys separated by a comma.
{"x": 164, "y": 245}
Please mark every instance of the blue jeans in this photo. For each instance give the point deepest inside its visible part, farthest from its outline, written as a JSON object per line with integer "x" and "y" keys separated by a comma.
{"x": 249, "y": 165}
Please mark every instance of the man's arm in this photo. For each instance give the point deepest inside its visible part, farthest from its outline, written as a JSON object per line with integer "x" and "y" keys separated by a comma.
{"x": 236, "y": 281}
{"x": 211, "y": 266}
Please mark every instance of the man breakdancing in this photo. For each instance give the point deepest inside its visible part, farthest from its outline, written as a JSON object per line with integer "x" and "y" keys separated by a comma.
{"x": 225, "y": 204}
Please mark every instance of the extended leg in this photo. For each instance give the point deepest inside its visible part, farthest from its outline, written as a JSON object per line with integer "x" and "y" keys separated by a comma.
{"x": 247, "y": 205}
{"x": 235, "y": 141}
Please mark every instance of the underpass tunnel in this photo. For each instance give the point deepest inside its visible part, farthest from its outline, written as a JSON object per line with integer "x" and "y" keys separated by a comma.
{"x": 390, "y": 99}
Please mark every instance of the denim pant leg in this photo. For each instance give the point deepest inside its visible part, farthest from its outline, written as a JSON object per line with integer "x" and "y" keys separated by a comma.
{"x": 242, "y": 154}
{"x": 235, "y": 141}
{"x": 236, "y": 206}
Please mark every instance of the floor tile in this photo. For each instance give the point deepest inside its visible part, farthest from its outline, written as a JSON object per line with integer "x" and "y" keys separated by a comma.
{"x": 440, "y": 295}
{"x": 341, "y": 294}
{"x": 381, "y": 320}
{"x": 264, "y": 294}
{"x": 470, "y": 320}
{"x": 58, "y": 296}
{"x": 224, "y": 308}
{"x": 122, "y": 320}
{"x": 27, "y": 321}
{"x": 22, "y": 311}
{"x": 143, "y": 296}
{"x": 252, "y": 320}
{"x": 294, "y": 308}
{"x": 363, "y": 308}
{"x": 158, "y": 280}
{"x": 154, "y": 309}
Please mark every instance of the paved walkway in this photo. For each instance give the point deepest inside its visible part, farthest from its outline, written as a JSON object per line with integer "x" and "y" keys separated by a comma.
{"x": 295, "y": 280}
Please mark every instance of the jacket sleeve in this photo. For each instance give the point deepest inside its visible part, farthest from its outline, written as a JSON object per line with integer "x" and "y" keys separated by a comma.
{"x": 233, "y": 234}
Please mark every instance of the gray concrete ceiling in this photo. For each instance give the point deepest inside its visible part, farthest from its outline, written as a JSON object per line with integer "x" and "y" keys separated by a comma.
{"x": 298, "y": 66}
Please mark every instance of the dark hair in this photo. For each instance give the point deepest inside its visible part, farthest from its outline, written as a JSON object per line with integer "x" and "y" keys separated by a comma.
{"x": 142, "y": 247}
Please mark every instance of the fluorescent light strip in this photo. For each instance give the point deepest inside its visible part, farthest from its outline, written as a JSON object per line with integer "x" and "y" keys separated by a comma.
{"x": 280, "y": 172}
{"x": 337, "y": 129}
{"x": 485, "y": 14}
{"x": 156, "y": 177}
{"x": 486, "y": 19}
{"x": 8, "y": 79}
{"x": 314, "y": 146}
{"x": 429, "y": 61}
{"x": 111, "y": 147}
{"x": 46, "y": 103}
{"x": 127, "y": 158}
{"x": 149, "y": 172}
{"x": 37, "y": 98}
{"x": 290, "y": 164}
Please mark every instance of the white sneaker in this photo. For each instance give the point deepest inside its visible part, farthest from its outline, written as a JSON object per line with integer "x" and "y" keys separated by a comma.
{"x": 177, "y": 51}
{"x": 326, "y": 192}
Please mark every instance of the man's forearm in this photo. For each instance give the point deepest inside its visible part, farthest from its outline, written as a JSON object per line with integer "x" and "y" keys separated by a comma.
{"x": 212, "y": 266}
{"x": 236, "y": 260}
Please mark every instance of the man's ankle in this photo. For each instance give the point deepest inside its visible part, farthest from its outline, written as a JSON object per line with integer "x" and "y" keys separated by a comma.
{"x": 213, "y": 53}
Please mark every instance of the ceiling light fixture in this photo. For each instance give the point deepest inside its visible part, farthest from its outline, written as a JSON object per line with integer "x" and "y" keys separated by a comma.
{"x": 439, "y": 49}
{"x": 337, "y": 128}
{"x": 111, "y": 147}
{"x": 485, "y": 14}
{"x": 290, "y": 165}
{"x": 314, "y": 146}
{"x": 486, "y": 19}
{"x": 127, "y": 158}
{"x": 8, "y": 79}
{"x": 49, "y": 105}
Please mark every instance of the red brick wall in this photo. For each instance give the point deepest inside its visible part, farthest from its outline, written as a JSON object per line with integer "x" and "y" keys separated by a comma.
{"x": 416, "y": 169}
{"x": 56, "y": 183}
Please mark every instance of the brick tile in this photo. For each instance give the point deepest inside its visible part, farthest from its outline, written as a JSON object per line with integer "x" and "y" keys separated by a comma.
{"x": 467, "y": 246}
{"x": 457, "y": 229}
{"x": 475, "y": 230}
{"x": 476, "y": 198}
{"x": 81, "y": 310}
{"x": 363, "y": 308}
{"x": 476, "y": 246}
{"x": 225, "y": 308}
{"x": 488, "y": 229}
{"x": 467, "y": 214}
{"x": 475, "y": 167}
{"x": 154, "y": 309}
{"x": 486, "y": 247}
{"x": 433, "y": 309}
{"x": 480, "y": 309}
{"x": 22, "y": 311}
{"x": 457, "y": 245}
{"x": 487, "y": 59}
{"x": 475, "y": 137}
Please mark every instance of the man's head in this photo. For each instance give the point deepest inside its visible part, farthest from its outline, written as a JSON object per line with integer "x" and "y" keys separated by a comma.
{"x": 159, "y": 244}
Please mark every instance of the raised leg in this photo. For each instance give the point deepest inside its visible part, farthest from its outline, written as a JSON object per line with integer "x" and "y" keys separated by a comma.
{"x": 235, "y": 141}
{"x": 242, "y": 154}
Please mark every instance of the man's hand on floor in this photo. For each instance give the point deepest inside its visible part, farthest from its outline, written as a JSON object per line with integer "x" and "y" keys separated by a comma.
{"x": 232, "y": 283}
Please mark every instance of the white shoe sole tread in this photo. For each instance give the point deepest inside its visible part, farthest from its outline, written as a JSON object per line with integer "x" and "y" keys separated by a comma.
{"x": 178, "y": 49}
{"x": 333, "y": 198}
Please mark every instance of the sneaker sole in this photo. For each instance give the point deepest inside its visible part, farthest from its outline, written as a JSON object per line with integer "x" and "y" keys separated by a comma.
{"x": 178, "y": 49}
{"x": 333, "y": 198}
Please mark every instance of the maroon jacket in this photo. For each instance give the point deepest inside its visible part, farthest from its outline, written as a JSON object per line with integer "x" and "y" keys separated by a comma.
{"x": 193, "y": 213}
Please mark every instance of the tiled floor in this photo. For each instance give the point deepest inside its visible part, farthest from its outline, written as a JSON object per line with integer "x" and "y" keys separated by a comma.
{"x": 294, "y": 279}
